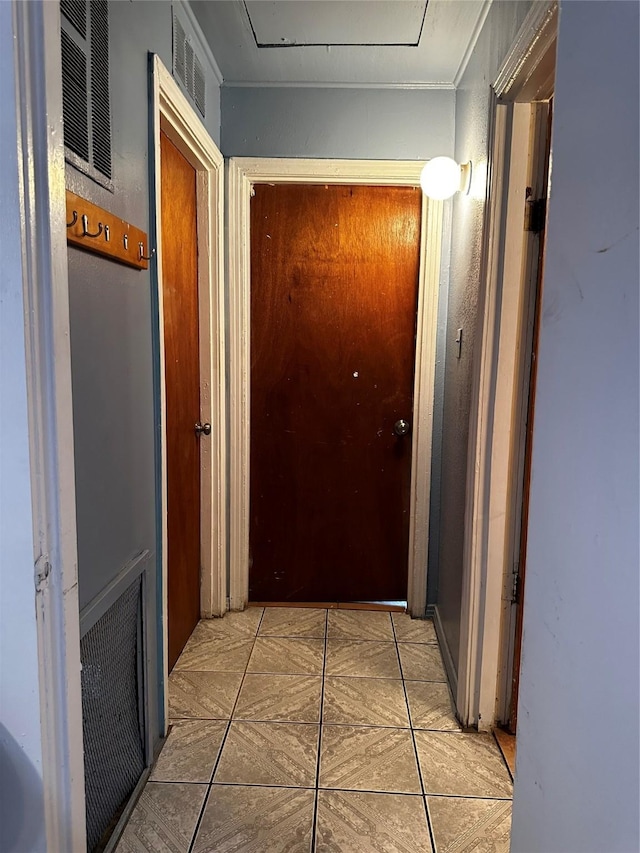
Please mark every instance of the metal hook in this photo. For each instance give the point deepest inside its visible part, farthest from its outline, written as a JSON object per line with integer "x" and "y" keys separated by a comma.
{"x": 85, "y": 225}
{"x": 74, "y": 219}
{"x": 141, "y": 254}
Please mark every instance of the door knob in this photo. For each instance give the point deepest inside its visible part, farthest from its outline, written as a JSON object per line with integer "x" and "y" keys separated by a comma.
{"x": 401, "y": 427}
{"x": 203, "y": 428}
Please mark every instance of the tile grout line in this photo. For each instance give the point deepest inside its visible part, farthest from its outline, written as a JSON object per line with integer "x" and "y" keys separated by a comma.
{"x": 314, "y": 822}
{"x": 338, "y": 788}
{"x": 222, "y": 743}
{"x": 413, "y": 740}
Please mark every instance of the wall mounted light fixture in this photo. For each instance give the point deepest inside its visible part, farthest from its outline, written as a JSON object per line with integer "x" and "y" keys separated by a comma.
{"x": 441, "y": 177}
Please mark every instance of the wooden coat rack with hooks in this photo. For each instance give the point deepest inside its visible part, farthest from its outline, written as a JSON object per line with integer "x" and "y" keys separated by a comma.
{"x": 95, "y": 229}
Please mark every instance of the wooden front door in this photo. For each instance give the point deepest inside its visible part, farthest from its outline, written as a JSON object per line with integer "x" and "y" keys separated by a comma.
{"x": 182, "y": 382}
{"x": 334, "y": 284}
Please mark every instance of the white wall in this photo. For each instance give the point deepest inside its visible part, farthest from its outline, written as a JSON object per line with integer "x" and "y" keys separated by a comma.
{"x": 21, "y": 800}
{"x": 576, "y": 787}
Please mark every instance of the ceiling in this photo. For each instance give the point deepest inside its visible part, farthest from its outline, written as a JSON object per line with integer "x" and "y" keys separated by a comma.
{"x": 404, "y": 43}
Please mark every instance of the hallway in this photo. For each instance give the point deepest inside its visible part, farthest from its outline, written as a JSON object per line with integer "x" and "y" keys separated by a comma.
{"x": 318, "y": 730}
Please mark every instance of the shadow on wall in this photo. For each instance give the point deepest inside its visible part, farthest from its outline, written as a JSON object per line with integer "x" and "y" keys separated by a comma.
{"x": 21, "y": 799}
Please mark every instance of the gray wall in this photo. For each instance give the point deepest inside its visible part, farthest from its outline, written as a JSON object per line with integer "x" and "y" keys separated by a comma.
{"x": 21, "y": 800}
{"x": 381, "y": 124}
{"x": 576, "y": 783}
{"x": 472, "y": 132}
{"x": 112, "y": 321}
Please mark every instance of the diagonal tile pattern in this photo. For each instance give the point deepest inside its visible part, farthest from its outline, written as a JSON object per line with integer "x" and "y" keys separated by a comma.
{"x": 470, "y": 826}
{"x": 368, "y": 759}
{"x": 361, "y": 659}
{"x": 409, "y": 630}
{"x": 371, "y": 823}
{"x": 190, "y": 752}
{"x": 294, "y": 622}
{"x": 269, "y": 754}
{"x": 430, "y": 706}
{"x": 287, "y": 656}
{"x": 359, "y": 625}
{"x": 365, "y": 702}
{"x": 204, "y": 695}
{"x": 421, "y": 662}
{"x": 164, "y": 819}
{"x": 314, "y": 731}
{"x": 283, "y": 698}
{"x": 215, "y": 654}
{"x": 239, "y": 819}
{"x": 464, "y": 765}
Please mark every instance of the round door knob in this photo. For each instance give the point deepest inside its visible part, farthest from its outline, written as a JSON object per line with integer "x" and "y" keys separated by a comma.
{"x": 401, "y": 427}
{"x": 203, "y": 429}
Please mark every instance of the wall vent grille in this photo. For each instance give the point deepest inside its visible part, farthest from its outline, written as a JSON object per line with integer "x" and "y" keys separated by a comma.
{"x": 85, "y": 87}
{"x": 187, "y": 66}
{"x": 75, "y": 11}
{"x": 113, "y": 732}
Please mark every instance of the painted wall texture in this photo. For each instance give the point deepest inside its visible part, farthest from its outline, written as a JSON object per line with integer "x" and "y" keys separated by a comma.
{"x": 112, "y": 321}
{"x": 471, "y": 143}
{"x": 577, "y": 774}
{"x": 362, "y": 124}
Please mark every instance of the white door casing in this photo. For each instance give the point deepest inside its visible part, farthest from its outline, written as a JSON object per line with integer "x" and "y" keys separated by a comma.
{"x": 243, "y": 173}
{"x": 495, "y": 432}
{"x": 174, "y": 115}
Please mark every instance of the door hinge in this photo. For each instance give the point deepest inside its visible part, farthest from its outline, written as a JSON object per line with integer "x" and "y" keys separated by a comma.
{"x": 515, "y": 585}
{"x": 42, "y": 572}
{"x": 535, "y": 215}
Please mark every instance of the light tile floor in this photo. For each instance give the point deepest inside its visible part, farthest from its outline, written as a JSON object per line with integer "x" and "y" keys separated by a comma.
{"x": 302, "y": 730}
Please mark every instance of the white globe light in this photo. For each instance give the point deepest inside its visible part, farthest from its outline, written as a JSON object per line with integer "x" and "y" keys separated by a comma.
{"x": 440, "y": 178}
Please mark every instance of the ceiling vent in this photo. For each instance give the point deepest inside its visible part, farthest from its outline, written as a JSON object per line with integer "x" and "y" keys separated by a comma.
{"x": 187, "y": 66}
{"x": 85, "y": 87}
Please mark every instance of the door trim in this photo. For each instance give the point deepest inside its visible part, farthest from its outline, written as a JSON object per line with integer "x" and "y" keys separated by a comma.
{"x": 33, "y": 123}
{"x": 243, "y": 173}
{"x": 174, "y": 115}
{"x": 491, "y": 505}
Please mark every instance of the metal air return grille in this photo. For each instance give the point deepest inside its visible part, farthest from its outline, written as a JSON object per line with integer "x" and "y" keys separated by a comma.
{"x": 187, "y": 67}
{"x": 74, "y": 98}
{"x": 110, "y": 652}
{"x": 85, "y": 87}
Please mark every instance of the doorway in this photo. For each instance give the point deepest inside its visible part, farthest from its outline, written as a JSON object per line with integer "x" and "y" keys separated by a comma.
{"x": 180, "y": 136}
{"x": 512, "y": 268}
{"x": 334, "y": 287}
{"x": 245, "y": 175}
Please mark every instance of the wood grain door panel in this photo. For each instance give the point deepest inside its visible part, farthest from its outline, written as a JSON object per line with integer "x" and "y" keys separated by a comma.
{"x": 333, "y": 306}
{"x": 182, "y": 381}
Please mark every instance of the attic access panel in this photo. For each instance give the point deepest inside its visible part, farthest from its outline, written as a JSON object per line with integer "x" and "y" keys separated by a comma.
{"x": 312, "y": 23}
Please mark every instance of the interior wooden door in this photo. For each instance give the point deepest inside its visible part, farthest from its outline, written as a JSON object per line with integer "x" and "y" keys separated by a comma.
{"x": 334, "y": 284}
{"x": 182, "y": 382}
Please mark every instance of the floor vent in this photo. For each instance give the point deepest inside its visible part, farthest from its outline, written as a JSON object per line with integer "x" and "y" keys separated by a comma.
{"x": 111, "y": 712}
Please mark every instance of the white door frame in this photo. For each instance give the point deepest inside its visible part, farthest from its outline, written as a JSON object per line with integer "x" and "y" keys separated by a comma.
{"x": 495, "y": 429}
{"x": 175, "y": 116}
{"x": 42, "y": 252}
{"x": 243, "y": 173}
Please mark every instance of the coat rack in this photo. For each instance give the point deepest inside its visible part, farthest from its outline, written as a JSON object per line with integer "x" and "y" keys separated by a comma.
{"x": 95, "y": 229}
